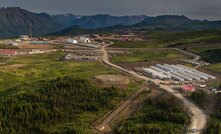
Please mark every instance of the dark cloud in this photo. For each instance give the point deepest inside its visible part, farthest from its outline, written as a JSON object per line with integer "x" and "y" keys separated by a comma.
{"x": 199, "y": 9}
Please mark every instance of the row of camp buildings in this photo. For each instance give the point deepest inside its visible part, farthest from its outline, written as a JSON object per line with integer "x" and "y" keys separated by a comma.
{"x": 176, "y": 72}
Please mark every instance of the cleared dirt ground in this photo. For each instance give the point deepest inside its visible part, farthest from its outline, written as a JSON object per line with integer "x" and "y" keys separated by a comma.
{"x": 37, "y": 46}
{"x": 113, "y": 80}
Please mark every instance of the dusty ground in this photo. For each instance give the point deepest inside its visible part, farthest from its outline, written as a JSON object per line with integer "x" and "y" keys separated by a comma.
{"x": 37, "y": 46}
{"x": 113, "y": 80}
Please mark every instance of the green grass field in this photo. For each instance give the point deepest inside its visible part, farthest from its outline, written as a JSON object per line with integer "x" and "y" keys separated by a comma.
{"x": 173, "y": 39}
{"x": 28, "y": 68}
{"x": 133, "y": 44}
{"x": 25, "y": 77}
{"x": 216, "y": 67}
{"x": 145, "y": 56}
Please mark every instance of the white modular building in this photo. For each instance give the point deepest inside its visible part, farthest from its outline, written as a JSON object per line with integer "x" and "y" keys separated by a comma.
{"x": 176, "y": 72}
{"x": 172, "y": 67}
{"x": 176, "y": 78}
{"x": 160, "y": 70}
{"x": 24, "y": 37}
{"x": 167, "y": 69}
{"x": 182, "y": 76}
{"x": 157, "y": 69}
{"x": 189, "y": 75}
{"x": 198, "y": 75}
{"x": 156, "y": 74}
{"x": 85, "y": 39}
{"x": 206, "y": 76}
{"x": 72, "y": 41}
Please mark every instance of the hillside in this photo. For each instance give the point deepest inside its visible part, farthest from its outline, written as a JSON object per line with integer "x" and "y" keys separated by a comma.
{"x": 168, "y": 23}
{"x": 74, "y": 30}
{"x": 15, "y": 21}
{"x": 52, "y": 107}
{"x": 175, "y": 23}
{"x": 96, "y": 21}
{"x": 65, "y": 20}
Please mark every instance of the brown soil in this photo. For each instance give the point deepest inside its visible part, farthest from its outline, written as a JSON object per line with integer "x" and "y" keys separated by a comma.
{"x": 113, "y": 80}
{"x": 37, "y": 46}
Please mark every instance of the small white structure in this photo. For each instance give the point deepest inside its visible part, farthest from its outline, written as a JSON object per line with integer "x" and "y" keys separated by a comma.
{"x": 85, "y": 40}
{"x": 36, "y": 52}
{"x": 18, "y": 40}
{"x": 202, "y": 86}
{"x": 72, "y": 41}
{"x": 15, "y": 44}
{"x": 24, "y": 37}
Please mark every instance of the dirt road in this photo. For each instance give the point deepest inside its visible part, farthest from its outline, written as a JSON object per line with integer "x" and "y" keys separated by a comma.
{"x": 104, "y": 126}
{"x": 198, "y": 118}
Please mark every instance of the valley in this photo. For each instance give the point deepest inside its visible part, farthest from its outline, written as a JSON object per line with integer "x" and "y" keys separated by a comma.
{"x": 106, "y": 74}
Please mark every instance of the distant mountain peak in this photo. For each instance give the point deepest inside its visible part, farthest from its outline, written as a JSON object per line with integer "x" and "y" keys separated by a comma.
{"x": 15, "y": 21}
{"x": 96, "y": 21}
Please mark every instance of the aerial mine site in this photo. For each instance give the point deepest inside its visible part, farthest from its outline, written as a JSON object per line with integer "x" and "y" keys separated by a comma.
{"x": 109, "y": 74}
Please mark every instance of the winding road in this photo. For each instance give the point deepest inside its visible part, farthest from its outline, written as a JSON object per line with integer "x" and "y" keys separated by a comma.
{"x": 198, "y": 118}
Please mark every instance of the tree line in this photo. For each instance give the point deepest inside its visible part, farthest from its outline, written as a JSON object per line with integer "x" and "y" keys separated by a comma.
{"x": 55, "y": 102}
{"x": 162, "y": 115}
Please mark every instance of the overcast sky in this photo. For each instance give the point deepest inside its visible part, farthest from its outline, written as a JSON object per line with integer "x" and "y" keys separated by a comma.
{"x": 195, "y": 9}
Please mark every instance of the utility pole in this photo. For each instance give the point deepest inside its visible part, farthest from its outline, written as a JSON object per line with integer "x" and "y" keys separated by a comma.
{"x": 30, "y": 31}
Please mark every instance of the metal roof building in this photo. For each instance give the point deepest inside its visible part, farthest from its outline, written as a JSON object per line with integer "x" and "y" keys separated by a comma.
{"x": 155, "y": 73}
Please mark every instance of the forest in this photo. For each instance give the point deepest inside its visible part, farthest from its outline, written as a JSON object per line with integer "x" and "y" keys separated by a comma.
{"x": 214, "y": 126}
{"x": 200, "y": 97}
{"x": 162, "y": 115}
{"x": 57, "y": 101}
{"x": 212, "y": 56}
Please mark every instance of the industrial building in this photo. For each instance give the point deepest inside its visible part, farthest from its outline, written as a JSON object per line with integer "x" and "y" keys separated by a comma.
{"x": 39, "y": 42}
{"x": 71, "y": 56}
{"x": 176, "y": 72}
{"x": 155, "y": 74}
{"x": 90, "y": 45}
{"x": 72, "y": 41}
{"x": 24, "y": 37}
{"x": 85, "y": 40}
{"x": 8, "y": 52}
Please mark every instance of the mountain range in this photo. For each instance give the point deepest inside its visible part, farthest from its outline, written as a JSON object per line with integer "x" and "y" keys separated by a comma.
{"x": 97, "y": 21}
{"x": 15, "y": 21}
{"x": 176, "y": 23}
